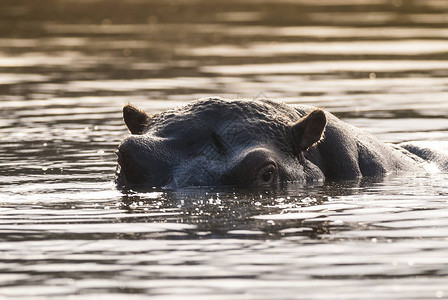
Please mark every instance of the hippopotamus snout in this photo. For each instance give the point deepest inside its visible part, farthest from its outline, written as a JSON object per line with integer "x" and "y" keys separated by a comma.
{"x": 129, "y": 172}
{"x": 137, "y": 164}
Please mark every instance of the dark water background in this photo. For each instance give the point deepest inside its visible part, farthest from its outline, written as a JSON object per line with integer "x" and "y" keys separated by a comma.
{"x": 67, "y": 67}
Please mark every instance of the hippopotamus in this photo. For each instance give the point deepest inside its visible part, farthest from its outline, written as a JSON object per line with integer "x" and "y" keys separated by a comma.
{"x": 258, "y": 143}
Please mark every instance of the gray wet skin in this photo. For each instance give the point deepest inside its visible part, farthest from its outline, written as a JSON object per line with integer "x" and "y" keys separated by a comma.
{"x": 221, "y": 142}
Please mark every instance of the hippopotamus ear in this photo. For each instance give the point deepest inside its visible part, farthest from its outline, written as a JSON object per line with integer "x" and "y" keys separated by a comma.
{"x": 135, "y": 119}
{"x": 308, "y": 130}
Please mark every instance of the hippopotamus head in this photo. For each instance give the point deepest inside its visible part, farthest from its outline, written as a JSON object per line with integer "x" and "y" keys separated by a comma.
{"x": 215, "y": 142}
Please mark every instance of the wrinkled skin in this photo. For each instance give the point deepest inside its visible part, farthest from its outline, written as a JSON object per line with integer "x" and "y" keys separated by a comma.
{"x": 219, "y": 142}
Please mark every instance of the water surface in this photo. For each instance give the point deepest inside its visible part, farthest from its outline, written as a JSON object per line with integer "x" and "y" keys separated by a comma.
{"x": 67, "y": 67}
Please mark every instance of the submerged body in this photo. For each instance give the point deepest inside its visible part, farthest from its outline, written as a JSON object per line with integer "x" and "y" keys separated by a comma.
{"x": 216, "y": 141}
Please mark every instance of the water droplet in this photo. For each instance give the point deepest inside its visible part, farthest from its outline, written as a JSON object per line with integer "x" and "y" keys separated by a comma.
{"x": 372, "y": 75}
{"x": 374, "y": 240}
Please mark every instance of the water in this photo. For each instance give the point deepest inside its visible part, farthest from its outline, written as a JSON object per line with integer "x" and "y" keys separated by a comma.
{"x": 67, "y": 67}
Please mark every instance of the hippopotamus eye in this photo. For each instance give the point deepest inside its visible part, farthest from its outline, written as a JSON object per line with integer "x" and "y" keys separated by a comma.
{"x": 267, "y": 174}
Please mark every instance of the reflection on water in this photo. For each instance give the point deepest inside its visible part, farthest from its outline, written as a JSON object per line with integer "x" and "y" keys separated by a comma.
{"x": 404, "y": 47}
{"x": 67, "y": 67}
